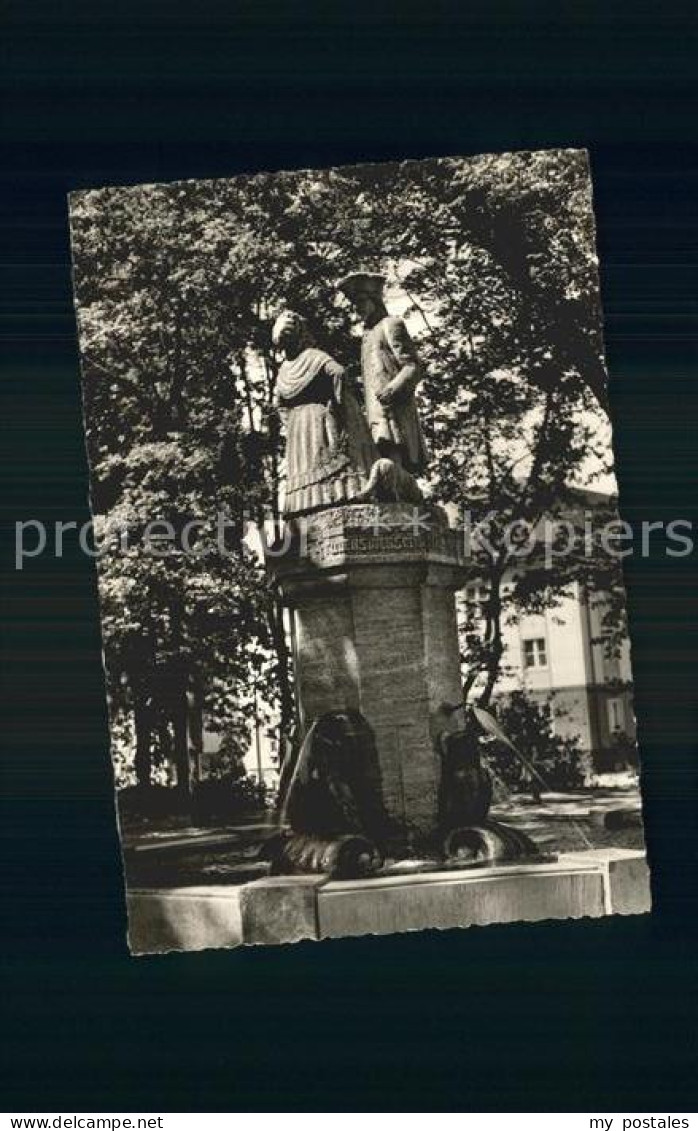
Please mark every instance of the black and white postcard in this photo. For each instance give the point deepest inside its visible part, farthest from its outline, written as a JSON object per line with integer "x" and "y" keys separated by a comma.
{"x": 359, "y": 552}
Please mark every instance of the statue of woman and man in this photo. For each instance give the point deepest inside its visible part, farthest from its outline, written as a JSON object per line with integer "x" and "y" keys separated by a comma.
{"x": 335, "y": 454}
{"x": 332, "y": 814}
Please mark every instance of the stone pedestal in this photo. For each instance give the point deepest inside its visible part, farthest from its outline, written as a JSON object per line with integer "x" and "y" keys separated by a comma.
{"x": 370, "y": 592}
{"x": 609, "y": 881}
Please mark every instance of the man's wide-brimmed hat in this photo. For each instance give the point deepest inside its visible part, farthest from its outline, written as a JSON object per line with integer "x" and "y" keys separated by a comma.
{"x": 362, "y": 282}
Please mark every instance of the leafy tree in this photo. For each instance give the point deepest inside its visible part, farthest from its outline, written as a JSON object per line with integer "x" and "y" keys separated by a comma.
{"x": 168, "y": 442}
{"x": 557, "y": 762}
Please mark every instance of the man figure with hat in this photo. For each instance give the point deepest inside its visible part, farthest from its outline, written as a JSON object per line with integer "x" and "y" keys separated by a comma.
{"x": 391, "y": 372}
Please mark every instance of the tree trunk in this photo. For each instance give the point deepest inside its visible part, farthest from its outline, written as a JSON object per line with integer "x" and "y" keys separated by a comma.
{"x": 287, "y": 701}
{"x": 176, "y": 680}
{"x": 143, "y": 720}
{"x": 492, "y": 674}
{"x": 178, "y": 708}
{"x": 494, "y": 639}
{"x": 195, "y": 712}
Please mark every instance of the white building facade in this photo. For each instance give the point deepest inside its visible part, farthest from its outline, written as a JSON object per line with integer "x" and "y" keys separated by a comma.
{"x": 557, "y": 659}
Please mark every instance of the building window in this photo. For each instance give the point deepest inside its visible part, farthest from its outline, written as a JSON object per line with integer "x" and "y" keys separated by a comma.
{"x": 476, "y": 596}
{"x": 535, "y": 653}
{"x": 615, "y": 714}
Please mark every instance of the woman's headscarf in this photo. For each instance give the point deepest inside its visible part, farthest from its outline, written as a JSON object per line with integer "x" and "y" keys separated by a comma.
{"x": 288, "y": 324}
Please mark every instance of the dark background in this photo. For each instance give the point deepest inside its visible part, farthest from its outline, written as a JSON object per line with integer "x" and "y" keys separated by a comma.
{"x": 593, "y": 1016}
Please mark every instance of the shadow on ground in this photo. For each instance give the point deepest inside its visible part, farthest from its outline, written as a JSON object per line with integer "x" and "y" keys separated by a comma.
{"x": 170, "y": 852}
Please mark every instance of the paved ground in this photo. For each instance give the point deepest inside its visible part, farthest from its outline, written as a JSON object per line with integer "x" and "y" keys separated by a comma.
{"x": 568, "y": 822}
{"x": 170, "y": 852}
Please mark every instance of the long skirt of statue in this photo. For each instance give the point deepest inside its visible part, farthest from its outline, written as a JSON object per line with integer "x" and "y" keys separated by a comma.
{"x": 329, "y": 450}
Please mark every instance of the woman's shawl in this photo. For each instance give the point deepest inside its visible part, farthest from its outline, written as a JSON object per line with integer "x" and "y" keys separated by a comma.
{"x": 294, "y": 376}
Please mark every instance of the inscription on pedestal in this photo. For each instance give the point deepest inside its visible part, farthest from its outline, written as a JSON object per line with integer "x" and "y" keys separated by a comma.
{"x": 377, "y": 532}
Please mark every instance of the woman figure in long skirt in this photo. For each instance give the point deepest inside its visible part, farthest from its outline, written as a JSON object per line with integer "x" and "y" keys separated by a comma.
{"x": 329, "y": 450}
